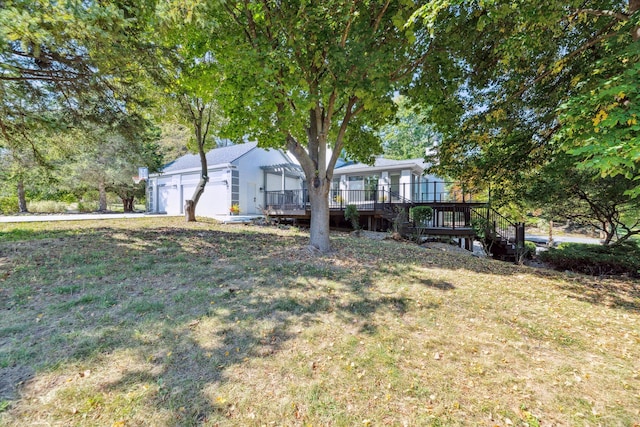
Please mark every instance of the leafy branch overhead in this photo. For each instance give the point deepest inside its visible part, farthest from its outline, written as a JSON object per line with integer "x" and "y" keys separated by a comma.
{"x": 506, "y": 98}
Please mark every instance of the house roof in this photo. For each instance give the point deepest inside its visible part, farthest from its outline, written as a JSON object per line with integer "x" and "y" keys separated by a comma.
{"x": 216, "y": 156}
{"x": 380, "y": 164}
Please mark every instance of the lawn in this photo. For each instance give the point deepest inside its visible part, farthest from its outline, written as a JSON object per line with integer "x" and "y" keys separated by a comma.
{"x": 157, "y": 322}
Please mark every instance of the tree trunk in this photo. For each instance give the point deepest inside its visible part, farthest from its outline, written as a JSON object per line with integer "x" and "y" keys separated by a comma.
{"x": 190, "y": 205}
{"x": 102, "y": 197}
{"x": 319, "y": 227}
{"x": 609, "y": 233}
{"x": 22, "y": 201}
{"x": 127, "y": 203}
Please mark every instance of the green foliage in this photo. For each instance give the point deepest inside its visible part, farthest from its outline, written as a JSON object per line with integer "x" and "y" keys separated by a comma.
{"x": 506, "y": 100}
{"x": 596, "y": 259}
{"x": 601, "y": 122}
{"x": 526, "y": 251}
{"x": 8, "y": 205}
{"x": 570, "y": 193}
{"x": 530, "y": 249}
{"x": 62, "y": 59}
{"x": 409, "y": 136}
{"x": 352, "y": 215}
{"x": 480, "y": 228}
{"x": 421, "y": 215}
{"x": 88, "y": 206}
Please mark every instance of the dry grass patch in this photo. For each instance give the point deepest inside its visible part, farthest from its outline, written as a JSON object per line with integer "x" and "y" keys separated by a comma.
{"x": 158, "y": 322}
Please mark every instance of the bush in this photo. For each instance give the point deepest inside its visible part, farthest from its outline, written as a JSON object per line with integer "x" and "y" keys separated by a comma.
{"x": 47, "y": 206}
{"x": 527, "y": 251}
{"x": 596, "y": 260}
{"x": 530, "y": 250}
{"x": 8, "y": 205}
{"x": 421, "y": 215}
{"x": 87, "y": 207}
{"x": 352, "y": 215}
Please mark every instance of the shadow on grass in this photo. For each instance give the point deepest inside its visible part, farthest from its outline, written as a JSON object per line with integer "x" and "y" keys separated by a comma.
{"x": 188, "y": 304}
{"x": 621, "y": 294}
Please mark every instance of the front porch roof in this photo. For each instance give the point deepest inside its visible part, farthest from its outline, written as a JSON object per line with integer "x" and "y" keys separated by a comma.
{"x": 289, "y": 168}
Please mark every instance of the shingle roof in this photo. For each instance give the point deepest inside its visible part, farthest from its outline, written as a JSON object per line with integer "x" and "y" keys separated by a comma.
{"x": 216, "y": 156}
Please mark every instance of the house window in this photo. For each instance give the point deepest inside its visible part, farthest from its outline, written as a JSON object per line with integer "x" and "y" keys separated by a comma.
{"x": 370, "y": 187}
{"x": 235, "y": 187}
{"x": 356, "y": 183}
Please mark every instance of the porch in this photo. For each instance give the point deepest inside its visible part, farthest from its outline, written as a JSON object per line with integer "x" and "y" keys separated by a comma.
{"x": 456, "y": 215}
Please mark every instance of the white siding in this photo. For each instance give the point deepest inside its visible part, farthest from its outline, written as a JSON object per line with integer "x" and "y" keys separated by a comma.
{"x": 171, "y": 191}
{"x": 251, "y": 175}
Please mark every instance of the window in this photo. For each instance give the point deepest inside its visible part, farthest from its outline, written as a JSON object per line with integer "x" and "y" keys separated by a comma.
{"x": 235, "y": 187}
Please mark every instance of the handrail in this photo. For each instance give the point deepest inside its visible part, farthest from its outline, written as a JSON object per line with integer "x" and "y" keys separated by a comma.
{"x": 497, "y": 224}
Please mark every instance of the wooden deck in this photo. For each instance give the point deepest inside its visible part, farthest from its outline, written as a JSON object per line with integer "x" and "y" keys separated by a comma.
{"x": 382, "y": 211}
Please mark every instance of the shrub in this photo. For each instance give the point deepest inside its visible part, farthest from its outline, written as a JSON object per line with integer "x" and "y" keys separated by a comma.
{"x": 527, "y": 251}
{"x": 530, "y": 249}
{"x": 421, "y": 215}
{"x": 47, "y": 206}
{"x": 596, "y": 260}
{"x": 86, "y": 207}
{"x": 8, "y": 205}
{"x": 352, "y": 215}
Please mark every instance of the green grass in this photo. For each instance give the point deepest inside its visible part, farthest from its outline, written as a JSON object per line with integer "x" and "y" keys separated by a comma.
{"x": 157, "y": 322}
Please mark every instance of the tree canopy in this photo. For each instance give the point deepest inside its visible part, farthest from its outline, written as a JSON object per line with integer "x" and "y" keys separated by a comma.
{"x": 316, "y": 78}
{"x": 410, "y": 135}
{"x": 516, "y": 82}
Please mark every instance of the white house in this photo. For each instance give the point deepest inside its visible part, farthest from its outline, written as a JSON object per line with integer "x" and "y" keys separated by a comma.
{"x": 403, "y": 180}
{"x": 238, "y": 174}
{"x": 255, "y": 179}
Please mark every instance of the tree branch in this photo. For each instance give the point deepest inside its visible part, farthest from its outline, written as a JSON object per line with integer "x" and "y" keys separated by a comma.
{"x": 379, "y": 17}
{"x": 600, "y": 36}
{"x": 611, "y": 13}
{"x": 348, "y": 115}
{"x": 345, "y": 34}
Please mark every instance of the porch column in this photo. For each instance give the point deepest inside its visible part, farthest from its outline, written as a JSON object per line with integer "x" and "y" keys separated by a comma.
{"x": 264, "y": 188}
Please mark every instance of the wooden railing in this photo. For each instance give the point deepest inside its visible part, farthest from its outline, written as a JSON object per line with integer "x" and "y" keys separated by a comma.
{"x": 365, "y": 200}
{"x": 374, "y": 198}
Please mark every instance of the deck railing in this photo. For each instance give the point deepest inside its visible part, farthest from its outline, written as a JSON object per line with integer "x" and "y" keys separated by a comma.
{"x": 374, "y": 198}
{"x": 295, "y": 200}
{"x": 454, "y": 217}
{"x": 496, "y": 225}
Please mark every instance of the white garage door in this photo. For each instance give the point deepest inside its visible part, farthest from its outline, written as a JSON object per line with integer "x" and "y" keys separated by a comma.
{"x": 214, "y": 200}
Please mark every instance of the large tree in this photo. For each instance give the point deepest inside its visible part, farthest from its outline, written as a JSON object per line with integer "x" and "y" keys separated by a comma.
{"x": 602, "y": 203}
{"x": 107, "y": 156}
{"x": 77, "y": 60}
{"x": 316, "y": 78}
{"x": 517, "y": 82}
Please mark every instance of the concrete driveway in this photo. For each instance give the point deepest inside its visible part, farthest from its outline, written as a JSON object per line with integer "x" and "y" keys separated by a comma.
{"x": 543, "y": 240}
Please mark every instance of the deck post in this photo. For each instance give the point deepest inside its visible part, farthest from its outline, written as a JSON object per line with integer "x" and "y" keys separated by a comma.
{"x": 453, "y": 217}
{"x": 520, "y": 234}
